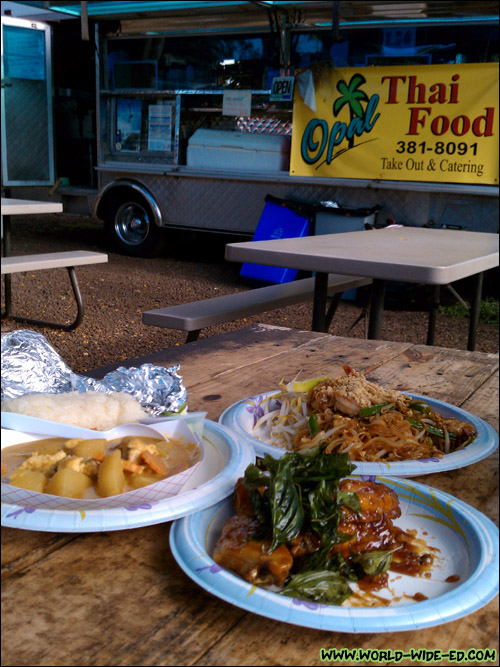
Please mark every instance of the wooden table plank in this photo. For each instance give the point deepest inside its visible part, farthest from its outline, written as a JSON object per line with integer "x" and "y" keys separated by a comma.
{"x": 484, "y": 401}
{"x": 223, "y": 353}
{"x": 268, "y": 358}
{"x": 114, "y": 598}
{"x": 18, "y": 555}
{"x": 440, "y": 373}
{"x": 322, "y": 356}
{"x": 280, "y": 644}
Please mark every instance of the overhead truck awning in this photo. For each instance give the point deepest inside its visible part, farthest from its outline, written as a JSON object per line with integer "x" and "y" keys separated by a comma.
{"x": 246, "y": 13}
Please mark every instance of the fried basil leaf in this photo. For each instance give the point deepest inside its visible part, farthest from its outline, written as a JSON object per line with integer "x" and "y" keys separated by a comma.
{"x": 324, "y": 512}
{"x": 287, "y": 512}
{"x": 313, "y": 465}
{"x": 350, "y": 500}
{"x": 323, "y": 586}
{"x": 375, "y": 562}
{"x": 255, "y": 477}
{"x": 297, "y": 488}
{"x": 262, "y": 510}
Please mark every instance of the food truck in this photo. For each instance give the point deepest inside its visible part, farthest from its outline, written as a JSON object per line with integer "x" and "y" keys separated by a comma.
{"x": 153, "y": 115}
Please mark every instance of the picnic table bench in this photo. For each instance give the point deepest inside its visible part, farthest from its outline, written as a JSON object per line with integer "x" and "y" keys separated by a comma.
{"x": 194, "y": 316}
{"x": 53, "y": 260}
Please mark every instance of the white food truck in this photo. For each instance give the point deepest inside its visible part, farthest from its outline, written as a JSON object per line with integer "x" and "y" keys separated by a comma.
{"x": 153, "y": 115}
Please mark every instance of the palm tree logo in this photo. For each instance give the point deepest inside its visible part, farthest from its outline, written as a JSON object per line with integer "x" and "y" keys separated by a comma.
{"x": 363, "y": 117}
{"x": 352, "y": 96}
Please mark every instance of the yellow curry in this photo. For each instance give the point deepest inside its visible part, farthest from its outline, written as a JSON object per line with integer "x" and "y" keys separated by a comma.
{"x": 80, "y": 468}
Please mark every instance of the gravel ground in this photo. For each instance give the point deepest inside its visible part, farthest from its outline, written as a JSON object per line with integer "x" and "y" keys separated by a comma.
{"x": 192, "y": 268}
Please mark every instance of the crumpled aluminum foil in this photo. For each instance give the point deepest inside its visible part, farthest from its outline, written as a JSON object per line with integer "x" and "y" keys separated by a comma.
{"x": 30, "y": 364}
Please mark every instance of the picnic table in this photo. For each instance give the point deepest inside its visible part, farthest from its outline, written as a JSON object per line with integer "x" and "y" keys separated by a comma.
{"x": 120, "y": 598}
{"x": 437, "y": 257}
{"x": 40, "y": 262}
{"x": 11, "y": 206}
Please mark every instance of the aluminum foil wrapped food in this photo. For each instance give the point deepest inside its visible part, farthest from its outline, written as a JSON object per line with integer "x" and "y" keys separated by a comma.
{"x": 30, "y": 364}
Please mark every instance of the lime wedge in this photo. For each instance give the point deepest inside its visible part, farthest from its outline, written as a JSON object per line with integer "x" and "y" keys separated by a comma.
{"x": 304, "y": 385}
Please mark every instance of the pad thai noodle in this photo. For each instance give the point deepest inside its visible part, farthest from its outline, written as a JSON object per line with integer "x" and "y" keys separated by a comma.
{"x": 352, "y": 415}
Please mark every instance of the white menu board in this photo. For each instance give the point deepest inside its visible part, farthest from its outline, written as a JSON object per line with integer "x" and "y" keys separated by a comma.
{"x": 237, "y": 103}
{"x": 160, "y": 127}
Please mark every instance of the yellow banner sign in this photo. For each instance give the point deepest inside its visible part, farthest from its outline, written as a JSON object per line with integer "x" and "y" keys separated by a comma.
{"x": 435, "y": 123}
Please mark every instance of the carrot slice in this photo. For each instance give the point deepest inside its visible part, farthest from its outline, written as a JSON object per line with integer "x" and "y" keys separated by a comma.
{"x": 156, "y": 463}
{"x": 128, "y": 466}
{"x": 132, "y": 467}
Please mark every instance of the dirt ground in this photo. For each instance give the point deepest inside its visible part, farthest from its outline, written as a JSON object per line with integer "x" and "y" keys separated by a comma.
{"x": 192, "y": 268}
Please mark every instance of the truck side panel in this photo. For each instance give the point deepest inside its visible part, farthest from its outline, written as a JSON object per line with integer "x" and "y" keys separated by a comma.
{"x": 234, "y": 205}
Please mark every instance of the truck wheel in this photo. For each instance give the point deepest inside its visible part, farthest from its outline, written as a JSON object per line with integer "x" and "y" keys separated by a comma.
{"x": 130, "y": 228}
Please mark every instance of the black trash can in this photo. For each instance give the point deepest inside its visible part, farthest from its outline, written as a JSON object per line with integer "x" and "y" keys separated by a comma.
{"x": 337, "y": 219}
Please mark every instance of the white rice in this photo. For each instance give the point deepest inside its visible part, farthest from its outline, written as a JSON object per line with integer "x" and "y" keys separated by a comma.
{"x": 91, "y": 409}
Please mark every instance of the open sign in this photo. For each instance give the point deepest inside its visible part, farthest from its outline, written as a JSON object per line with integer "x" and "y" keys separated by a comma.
{"x": 282, "y": 89}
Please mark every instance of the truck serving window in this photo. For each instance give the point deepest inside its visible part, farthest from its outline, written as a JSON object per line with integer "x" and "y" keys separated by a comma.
{"x": 192, "y": 62}
{"x": 398, "y": 45}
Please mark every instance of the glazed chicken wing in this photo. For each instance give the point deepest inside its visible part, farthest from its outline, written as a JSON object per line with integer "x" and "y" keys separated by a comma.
{"x": 237, "y": 550}
{"x": 376, "y": 500}
{"x": 372, "y": 530}
{"x": 366, "y": 536}
{"x": 241, "y": 548}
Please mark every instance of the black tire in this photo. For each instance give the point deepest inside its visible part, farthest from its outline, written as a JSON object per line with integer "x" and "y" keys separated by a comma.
{"x": 130, "y": 227}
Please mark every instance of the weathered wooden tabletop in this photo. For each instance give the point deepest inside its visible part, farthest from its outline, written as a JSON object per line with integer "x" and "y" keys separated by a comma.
{"x": 119, "y": 598}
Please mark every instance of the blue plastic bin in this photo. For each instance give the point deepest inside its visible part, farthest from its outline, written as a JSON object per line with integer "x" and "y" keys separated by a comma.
{"x": 280, "y": 219}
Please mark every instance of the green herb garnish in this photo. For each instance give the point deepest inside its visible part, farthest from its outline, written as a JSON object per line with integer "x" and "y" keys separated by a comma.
{"x": 431, "y": 430}
{"x": 420, "y": 406}
{"x": 374, "y": 562}
{"x": 313, "y": 424}
{"x": 372, "y": 410}
{"x": 323, "y": 586}
{"x": 297, "y": 491}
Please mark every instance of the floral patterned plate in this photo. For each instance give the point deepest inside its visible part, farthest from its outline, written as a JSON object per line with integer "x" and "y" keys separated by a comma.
{"x": 240, "y": 417}
{"x": 464, "y": 576}
{"x": 224, "y": 462}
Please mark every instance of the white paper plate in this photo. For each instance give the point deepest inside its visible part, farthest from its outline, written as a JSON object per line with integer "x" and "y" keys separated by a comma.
{"x": 225, "y": 460}
{"x": 239, "y": 418}
{"x": 150, "y": 494}
{"x": 467, "y": 543}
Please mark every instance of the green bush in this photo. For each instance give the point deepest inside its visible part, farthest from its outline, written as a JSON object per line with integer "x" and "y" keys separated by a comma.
{"x": 488, "y": 311}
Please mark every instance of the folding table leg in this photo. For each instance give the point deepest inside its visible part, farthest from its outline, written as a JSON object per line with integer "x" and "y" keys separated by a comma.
{"x": 332, "y": 309}
{"x": 55, "y": 325}
{"x": 431, "y": 327}
{"x": 376, "y": 308}
{"x": 8, "y": 295}
{"x": 319, "y": 306}
{"x": 474, "y": 312}
{"x": 192, "y": 335}
{"x": 7, "y": 276}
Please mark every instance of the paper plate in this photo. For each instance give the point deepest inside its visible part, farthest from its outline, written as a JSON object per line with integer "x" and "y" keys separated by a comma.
{"x": 239, "y": 418}
{"x": 150, "y": 494}
{"x": 225, "y": 460}
{"x": 464, "y": 540}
